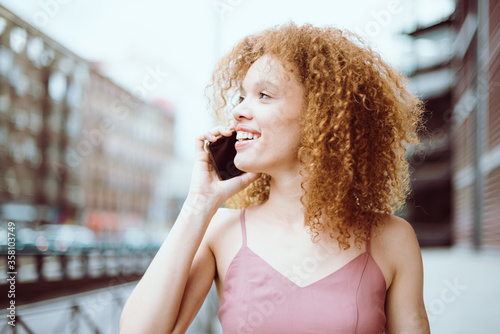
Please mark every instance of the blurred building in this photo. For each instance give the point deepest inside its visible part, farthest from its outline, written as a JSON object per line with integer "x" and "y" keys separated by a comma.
{"x": 476, "y": 124}
{"x": 41, "y": 101}
{"x": 74, "y": 145}
{"x": 456, "y": 179}
{"x": 124, "y": 145}
{"x": 429, "y": 208}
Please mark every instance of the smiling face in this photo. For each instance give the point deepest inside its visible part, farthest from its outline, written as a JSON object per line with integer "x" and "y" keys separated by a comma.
{"x": 268, "y": 118}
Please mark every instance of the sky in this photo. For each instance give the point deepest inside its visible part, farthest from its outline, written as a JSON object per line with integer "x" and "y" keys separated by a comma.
{"x": 182, "y": 40}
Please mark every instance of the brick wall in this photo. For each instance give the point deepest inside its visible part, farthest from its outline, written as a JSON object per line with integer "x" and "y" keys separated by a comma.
{"x": 476, "y": 125}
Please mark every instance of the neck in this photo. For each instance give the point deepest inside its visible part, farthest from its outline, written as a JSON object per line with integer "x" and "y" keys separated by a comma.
{"x": 284, "y": 199}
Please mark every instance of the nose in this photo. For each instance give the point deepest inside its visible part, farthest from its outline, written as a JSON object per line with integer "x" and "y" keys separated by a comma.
{"x": 242, "y": 111}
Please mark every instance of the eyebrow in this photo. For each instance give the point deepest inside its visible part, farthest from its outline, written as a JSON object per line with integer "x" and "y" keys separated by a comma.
{"x": 262, "y": 83}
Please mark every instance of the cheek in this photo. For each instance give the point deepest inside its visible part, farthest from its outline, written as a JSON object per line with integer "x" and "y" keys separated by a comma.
{"x": 284, "y": 142}
{"x": 286, "y": 119}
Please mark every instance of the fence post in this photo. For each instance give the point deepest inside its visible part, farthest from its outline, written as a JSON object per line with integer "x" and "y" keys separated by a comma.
{"x": 84, "y": 258}
{"x": 39, "y": 267}
{"x": 63, "y": 259}
{"x": 75, "y": 310}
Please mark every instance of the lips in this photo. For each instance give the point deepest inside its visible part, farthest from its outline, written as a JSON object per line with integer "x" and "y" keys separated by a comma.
{"x": 245, "y": 136}
{"x": 243, "y": 143}
{"x": 240, "y": 135}
{"x": 244, "y": 128}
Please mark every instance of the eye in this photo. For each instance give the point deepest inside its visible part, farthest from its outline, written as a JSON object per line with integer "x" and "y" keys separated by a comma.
{"x": 264, "y": 95}
{"x": 240, "y": 99}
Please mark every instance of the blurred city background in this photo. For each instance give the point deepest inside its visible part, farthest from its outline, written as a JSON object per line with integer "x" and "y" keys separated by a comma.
{"x": 99, "y": 106}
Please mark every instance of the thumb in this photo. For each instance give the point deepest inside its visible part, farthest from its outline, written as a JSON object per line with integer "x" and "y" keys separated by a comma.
{"x": 241, "y": 182}
{"x": 248, "y": 178}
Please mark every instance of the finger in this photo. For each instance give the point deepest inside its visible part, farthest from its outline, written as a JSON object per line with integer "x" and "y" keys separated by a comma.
{"x": 248, "y": 178}
{"x": 228, "y": 131}
{"x": 221, "y": 131}
{"x": 232, "y": 124}
{"x": 201, "y": 146}
{"x": 212, "y": 135}
{"x": 210, "y": 167}
{"x": 215, "y": 133}
{"x": 239, "y": 183}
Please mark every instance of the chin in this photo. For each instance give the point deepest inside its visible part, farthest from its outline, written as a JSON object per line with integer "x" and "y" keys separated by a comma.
{"x": 246, "y": 166}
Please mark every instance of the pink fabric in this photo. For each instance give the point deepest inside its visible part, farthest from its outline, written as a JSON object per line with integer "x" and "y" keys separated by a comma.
{"x": 259, "y": 299}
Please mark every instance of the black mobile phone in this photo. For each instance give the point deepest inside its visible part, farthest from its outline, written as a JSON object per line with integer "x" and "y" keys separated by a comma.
{"x": 222, "y": 153}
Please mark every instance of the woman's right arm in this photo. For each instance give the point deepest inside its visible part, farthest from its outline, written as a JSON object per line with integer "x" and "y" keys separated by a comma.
{"x": 178, "y": 279}
{"x": 154, "y": 305}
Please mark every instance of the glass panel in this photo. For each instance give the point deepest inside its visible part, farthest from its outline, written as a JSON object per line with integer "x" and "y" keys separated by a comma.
{"x": 6, "y": 61}
{"x": 34, "y": 50}
{"x": 19, "y": 81}
{"x": 47, "y": 57}
{"x": 18, "y": 38}
{"x": 12, "y": 182}
{"x": 3, "y": 25}
{"x": 57, "y": 86}
{"x": 75, "y": 95}
{"x": 35, "y": 123}
{"x": 21, "y": 119}
{"x": 15, "y": 150}
{"x": 31, "y": 151}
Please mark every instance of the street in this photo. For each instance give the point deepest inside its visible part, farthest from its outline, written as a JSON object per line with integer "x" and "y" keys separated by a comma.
{"x": 462, "y": 290}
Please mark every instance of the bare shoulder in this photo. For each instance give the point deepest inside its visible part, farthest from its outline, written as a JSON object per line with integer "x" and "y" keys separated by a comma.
{"x": 223, "y": 223}
{"x": 396, "y": 241}
{"x": 394, "y": 231}
{"x": 223, "y": 218}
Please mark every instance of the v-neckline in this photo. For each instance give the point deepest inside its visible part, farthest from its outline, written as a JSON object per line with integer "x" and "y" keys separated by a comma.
{"x": 310, "y": 284}
{"x": 243, "y": 247}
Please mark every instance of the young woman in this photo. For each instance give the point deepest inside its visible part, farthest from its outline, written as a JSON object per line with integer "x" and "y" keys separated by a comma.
{"x": 311, "y": 245}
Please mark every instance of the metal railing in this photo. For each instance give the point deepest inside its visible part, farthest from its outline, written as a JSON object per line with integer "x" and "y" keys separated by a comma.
{"x": 97, "y": 311}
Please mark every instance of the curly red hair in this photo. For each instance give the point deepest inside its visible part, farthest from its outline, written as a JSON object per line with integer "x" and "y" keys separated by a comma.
{"x": 357, "y": 121}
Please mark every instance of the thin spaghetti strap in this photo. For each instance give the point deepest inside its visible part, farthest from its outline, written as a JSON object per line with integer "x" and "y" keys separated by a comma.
{"x": 243, "y": 228}
{"x": 369, "y": 239}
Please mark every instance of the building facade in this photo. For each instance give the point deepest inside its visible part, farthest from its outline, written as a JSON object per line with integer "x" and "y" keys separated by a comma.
{"x": 476, "y": 125}
{"x": 429, "y": 207}
{"x": 75, "y": 147}
{"x": 456, "y": 170}
{"x": 462, "y": 91}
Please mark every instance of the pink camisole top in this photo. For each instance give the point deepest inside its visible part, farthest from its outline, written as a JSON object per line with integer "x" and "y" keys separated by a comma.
{"x": 258, "y": 299}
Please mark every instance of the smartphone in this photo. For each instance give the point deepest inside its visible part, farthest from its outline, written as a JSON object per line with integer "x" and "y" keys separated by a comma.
{"x": 222, "y": 153}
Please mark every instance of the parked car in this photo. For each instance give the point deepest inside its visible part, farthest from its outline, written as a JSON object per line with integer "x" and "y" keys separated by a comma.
{"x": 135, "y": 239}
{"x": 59, "y": 238}
{"x": 26, "y": 240}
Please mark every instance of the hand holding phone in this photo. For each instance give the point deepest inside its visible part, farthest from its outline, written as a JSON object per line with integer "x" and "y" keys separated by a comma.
{"x": 222, "y": 153}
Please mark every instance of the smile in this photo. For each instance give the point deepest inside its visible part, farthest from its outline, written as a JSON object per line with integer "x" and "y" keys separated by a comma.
{"x": 242, "y": 136}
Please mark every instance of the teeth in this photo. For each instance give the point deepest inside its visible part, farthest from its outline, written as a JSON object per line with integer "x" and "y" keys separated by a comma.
{"x": 241, "y": 135}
